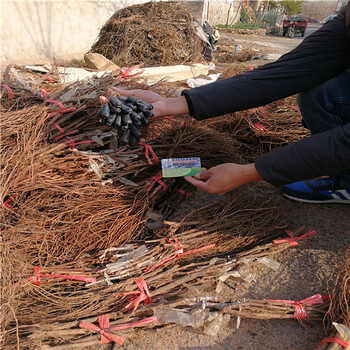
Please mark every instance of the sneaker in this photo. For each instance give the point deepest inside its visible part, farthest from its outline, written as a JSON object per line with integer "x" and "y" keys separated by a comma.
{"x": 322, "y": 190}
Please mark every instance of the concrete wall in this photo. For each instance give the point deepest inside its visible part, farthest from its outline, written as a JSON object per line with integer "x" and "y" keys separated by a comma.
{"x": 34, "y": 31}
{"x": 37, "y": 31}
{"x": 219, "y": 11}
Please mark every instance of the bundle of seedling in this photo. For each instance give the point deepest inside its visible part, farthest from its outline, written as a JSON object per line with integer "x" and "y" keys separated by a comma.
{"x": 340, "y": 297}
{"x": 126, "y": 114}
{"x": 339, "y": 311}
{"x": 61, "y": 291}
{"x": 60, "y": 202}
{"x": 78, "y": 203}
{"x": 137, "y": 282}
{"x": 21, "y": 88}
{"x": 260, "y": 130}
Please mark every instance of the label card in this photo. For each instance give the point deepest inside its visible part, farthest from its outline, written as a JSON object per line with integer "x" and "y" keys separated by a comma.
{"x": 178, "y": 167}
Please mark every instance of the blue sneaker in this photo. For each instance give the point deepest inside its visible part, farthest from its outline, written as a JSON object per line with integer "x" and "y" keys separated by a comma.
{"x": 322, "y": 190}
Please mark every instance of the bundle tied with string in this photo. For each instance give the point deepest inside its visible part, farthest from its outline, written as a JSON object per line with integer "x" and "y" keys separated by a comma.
{"x": 21, "y": 88}
{"x": 54, "y": 207}
{"x": 60, "y": 203}
{"x": 340, "y": 296}
{"x": 127, "y": 298}
{"x": 154, "y": 33}
{"x": 65, "y": 198}
{"x": 182, "y": 140}
{"x": 273, "y": 125}
{"x": 260, "y": 130}
{"x": 60, "y": 198}
{"x": 237, "y": 223}
{"x": 339, "y": 310}
{"x": 158, "y": 262}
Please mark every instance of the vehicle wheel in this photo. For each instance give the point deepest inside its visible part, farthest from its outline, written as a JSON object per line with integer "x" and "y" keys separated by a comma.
{"x": 303, "y": 33}
{"x": 284, "y": 33}
{"x": 290, "y": 32}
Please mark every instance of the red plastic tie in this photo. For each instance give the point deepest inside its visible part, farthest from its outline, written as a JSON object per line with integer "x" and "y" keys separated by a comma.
{"x": 143, "y": 294}
{"x": 291, "y": 239}
{"x": 251, "y": 68}
{"x": 62, "y": 107}
{"x": 300, "y": 312}
{"x": 62, "y": 110}
{"x": 49, "y": 115}
{"x": 278, "y": 102}
{"x": 58, "y": 103}
{"x": 38, "y": 275}
{"x": 43, "y": 91}
{"x": 125, "y": 72}
{"x": 260, "y": 127}
{"x": 49, "y": 78}
{"x": 104, "y": 329}
{"x": 148, "y": 148}
{"x": 63, "y": 133}
{"x": 10, "y": 93}
{"x": 71, "y": 143}
{"x": 155, "y": 179}
{"x": 179, "y": 252}
{"x": 185, "y": 194}
{"x": 6, "y": 203}
{"x": 179, "y": 248}
{"x": 295, "y": 108}
{"x": 170, "y": 118}
{"x": 337, "y": 340}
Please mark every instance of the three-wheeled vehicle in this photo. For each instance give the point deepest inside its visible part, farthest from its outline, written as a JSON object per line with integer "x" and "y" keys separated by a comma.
{"x": 294, "y": 25}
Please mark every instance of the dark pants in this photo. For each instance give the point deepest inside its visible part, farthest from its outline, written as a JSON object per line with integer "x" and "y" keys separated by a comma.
{"x": 327, "y": 106}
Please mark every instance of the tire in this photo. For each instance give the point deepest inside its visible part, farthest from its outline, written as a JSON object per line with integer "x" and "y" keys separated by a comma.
{"x": 284, "y": 32}
{"x": 290, "y": 32}
{"x": 303, "y": 33}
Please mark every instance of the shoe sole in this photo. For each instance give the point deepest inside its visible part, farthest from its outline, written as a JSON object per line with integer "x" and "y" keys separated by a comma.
{"x": 335, "y": 201}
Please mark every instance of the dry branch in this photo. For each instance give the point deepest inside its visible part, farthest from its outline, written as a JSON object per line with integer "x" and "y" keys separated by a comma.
{"x": 130, "y": 37}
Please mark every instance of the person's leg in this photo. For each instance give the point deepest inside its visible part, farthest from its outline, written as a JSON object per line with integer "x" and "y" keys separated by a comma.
{"x": 328, "y": 105}
{"x": 323, "y": 108}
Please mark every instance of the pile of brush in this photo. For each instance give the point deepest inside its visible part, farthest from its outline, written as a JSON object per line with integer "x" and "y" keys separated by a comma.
{"x": 154, "y": 33}
{"x": 234, "y": 69}
{"x": 140, "y": 284}
{"x": 84, "y": 218}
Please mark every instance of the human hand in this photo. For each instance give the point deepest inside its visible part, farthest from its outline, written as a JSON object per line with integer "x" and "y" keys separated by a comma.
{"x": 161, "y": 105}
{"x": 145, "y": 95}
{"x": 224, "y": 177}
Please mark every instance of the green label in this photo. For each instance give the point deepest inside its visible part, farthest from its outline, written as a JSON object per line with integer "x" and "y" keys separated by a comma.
{"x": 179, "y": 167}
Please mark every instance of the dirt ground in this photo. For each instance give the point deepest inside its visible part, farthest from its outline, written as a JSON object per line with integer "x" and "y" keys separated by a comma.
{"x": 305, "y": 270}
